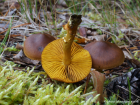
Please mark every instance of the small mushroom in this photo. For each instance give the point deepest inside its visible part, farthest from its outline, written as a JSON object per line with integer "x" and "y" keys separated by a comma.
{"x": 63, "y": 59}
{"x": 34, "y": 45}
{"x": 105, "y": 55}
{"x": 15, "y": 5}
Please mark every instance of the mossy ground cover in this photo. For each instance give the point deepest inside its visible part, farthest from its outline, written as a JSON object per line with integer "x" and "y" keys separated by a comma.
{"x": 30, "y": 88}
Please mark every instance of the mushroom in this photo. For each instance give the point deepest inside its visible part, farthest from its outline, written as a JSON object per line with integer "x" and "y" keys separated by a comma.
{"x": 15, "y": 5}
{"x": 34, "y": 45}
{"x": 105, "y": 55}
{"x": 63, "y": 59}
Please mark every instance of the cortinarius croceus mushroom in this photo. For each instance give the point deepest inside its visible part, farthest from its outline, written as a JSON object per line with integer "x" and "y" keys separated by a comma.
{"x": 105, "y": 55}
{"x": 34, "y": 45}
{"x": 63, "y": 59}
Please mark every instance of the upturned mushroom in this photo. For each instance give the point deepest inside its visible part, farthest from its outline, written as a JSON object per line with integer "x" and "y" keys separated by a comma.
{"x": 105, "y": 55}
{"x": 34, "y": 45}
{"x": 63, "y": 59}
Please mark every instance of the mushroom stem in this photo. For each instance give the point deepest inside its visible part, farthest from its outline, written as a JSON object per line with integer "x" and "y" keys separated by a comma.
{"x": 71, "y": 28}
{"x": 71, "y": 32}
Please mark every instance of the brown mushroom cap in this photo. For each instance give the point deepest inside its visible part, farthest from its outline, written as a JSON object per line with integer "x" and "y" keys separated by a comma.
{"x": 52, "y": 62}
{"x": 105, "y": 55}
{"x": 15, "y": 5}
{"x": 34, "y": 45}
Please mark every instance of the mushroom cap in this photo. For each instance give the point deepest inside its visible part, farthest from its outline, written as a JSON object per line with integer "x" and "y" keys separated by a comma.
{"x": 105, "y": 55}
{"x": 15, "y": 5}
{"x": 52, "y": 62}
{"x": 34, "y": 45}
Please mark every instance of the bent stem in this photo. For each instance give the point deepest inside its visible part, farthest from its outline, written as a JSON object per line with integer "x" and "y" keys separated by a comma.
{"x": 71, "y": 28}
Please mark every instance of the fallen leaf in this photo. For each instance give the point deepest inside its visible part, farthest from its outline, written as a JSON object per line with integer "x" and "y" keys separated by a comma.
{"x": 19, "y": 46}
{"x": 122, "y": 23}
{"x": 97, "y": 37}
{"x": 136, "y": 51}
{"x": 11, "y": 36}
{"x": 10, "y": 2}
{"x": 80, "y": 40}
{"x": 22, "y": 58}
{"x": 127, "y": 55}
{"x": 82, "y": 32}
{"x": 94, "y": 33}
{"x": 98, "y": 81}
{"x": 136, "y": 62}
{"x": 88, "y": 31}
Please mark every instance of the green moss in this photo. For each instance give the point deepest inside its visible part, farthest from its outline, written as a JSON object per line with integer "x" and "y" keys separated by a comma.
{"x": 11, "y": 49}
{"x": 18, "y": 87}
